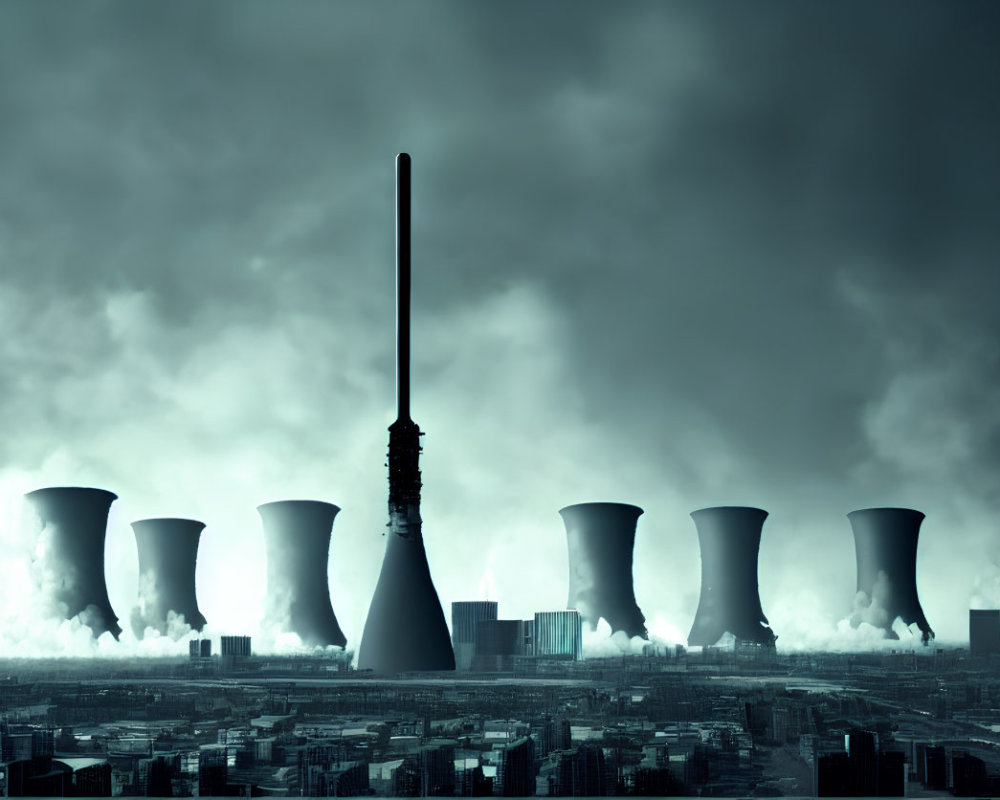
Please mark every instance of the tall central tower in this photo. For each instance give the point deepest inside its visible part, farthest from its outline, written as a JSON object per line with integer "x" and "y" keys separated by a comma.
{"x": 405, "y": 630}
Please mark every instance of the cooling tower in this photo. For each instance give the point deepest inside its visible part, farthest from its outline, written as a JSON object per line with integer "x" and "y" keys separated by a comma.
{"x": 600, "y": 538}
{"x": 729, "y": 537}
{"x": 405, "y": 629}
{"x": 74, "y": 524}
{"x": 885, "y": 540}
{"x": 297, "y": 543}
{"x": 168, "y": 553}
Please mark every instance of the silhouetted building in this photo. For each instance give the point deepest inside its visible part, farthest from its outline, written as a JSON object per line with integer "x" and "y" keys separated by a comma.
{"x": 437, "y": 769}
{"x": 516, "y": 771}
{"x": 323, "y": 774}
{"x": 984, "y": 632}
{"x": 555, "y": 734}
{"x": 235, "y": 646}
{"x": 891, "y": 774}
{"x": 580, "y": 772}
{"x": 935, "y": 768}
{"x": 470, "y": 780}
{"x": 832, "y": 776}
{"x": 969, "y": 776}
{"x": 558, "y": 633}
{"x": 200, "y": 648}
{"x": 860, "y": 771}
{"x": 154, "y": 776}
{"x": 600, "y": 538}
{"x": 465, "y": 616}
{"x": 213, "y": 772}
{"x": 862, "y": 754}
{"x": 497, "y": 642}
{"x": 654, "y": 782}
{"x": 729, "y": 538}
{"x": 406, "y": 779}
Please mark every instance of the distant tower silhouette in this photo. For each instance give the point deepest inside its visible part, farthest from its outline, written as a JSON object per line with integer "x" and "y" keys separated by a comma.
{"x": 74, "y": 521}
{"x": 168, "y": 554}
{"x": 885, "y": 540}
{"x": 406, "y": 628}
{"x": 729, "y": 537}
{"x": 600, "y": 538}
{"x": 297, "y": 541}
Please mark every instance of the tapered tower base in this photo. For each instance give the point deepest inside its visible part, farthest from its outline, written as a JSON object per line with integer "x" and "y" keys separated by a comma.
{"x": 406, "y": 629}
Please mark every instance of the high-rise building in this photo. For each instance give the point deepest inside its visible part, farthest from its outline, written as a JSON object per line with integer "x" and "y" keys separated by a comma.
{"x": 200, "y": 648}
{"x": 984, "y": 632}
{"x": 465, "y": 616}
{"x": 558, "y": 633}
{"x": 516, "y": 770}
{"x": 235, "y": 646}
{"x": 498, "y": 641}
{"x": 862, "y": 754}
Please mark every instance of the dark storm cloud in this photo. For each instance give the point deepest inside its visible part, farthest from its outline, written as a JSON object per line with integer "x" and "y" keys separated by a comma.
{"x": 673, "y": 255}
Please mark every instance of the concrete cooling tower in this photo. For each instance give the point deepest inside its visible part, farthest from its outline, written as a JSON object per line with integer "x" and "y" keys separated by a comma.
{"x": 729, "y": 537}
{"x": 74, "y": 524}
{"x": 297, "y": 543}
{"x": 600, "y": 538}
{"x": 168, "y": 553}
{"x": 885, "y": 540}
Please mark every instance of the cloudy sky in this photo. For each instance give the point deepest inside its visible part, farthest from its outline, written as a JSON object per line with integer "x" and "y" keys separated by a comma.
{"x": 671, "y": 254}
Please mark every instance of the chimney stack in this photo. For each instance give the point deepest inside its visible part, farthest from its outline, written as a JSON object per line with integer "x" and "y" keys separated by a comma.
{"x": 405, "y": 629}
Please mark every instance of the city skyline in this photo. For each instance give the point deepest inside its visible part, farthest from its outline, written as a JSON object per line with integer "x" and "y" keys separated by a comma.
{"x": 679, "y": 258}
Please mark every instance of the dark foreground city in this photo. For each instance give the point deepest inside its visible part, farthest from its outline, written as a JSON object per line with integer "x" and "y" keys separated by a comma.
{"x": 717, "y": 722}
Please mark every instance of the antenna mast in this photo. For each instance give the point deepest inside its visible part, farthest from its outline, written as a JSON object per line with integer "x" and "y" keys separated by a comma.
{"x": 403, "y": 286}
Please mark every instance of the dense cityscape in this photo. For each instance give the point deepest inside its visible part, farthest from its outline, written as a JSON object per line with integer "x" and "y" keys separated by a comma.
{"x": 734, "y": 720}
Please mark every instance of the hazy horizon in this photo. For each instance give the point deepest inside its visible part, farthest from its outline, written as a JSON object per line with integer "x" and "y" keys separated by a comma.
{"x": 676, "y": 256}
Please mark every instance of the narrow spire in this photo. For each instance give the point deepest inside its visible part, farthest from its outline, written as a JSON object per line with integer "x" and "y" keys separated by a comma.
{"x": 403, "y": 286}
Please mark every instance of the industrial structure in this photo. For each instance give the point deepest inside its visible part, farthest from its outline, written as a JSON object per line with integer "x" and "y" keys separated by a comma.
{"x": 71, "y": 554}
{"x": 984, "y": 632}
{"x": 168, "y": 555}
{"x": 600, "y": 538}
{"x": 885, "y": 541}
{"x": 465, "y": 617}
{"x": 405, "y": 629}
{"x": 235, "y": 646}
{"x": 499, "y": 641}
{"x": 297, "y": 543}
{"x": 729, "y": 538}
{"x": 558, "y": 633}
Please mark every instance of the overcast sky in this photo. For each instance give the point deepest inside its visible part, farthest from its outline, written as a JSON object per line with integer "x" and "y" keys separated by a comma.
{"x": 670, "y": 254}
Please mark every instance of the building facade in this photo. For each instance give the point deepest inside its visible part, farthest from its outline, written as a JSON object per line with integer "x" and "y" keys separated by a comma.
{"x": 558, "y": 633}
{"x": 465, "y": 616}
